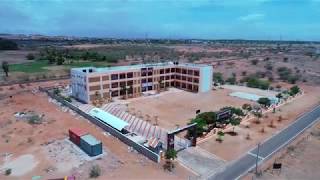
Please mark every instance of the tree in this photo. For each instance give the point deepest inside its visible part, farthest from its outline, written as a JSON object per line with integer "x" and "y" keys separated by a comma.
{"x": 235, "y": 122}
{"x": 264, "y": 101}
{"x": 200, "y": 127}
{"x": 294, "y": 90}
{"x": 5, "y": 67}
{"x": 6, "y": 44}
{"x": 30, "y": 56}
{"x": 218, "y": 78}
{"x": 170, "y": 155}
{"x": 208, "y": 117}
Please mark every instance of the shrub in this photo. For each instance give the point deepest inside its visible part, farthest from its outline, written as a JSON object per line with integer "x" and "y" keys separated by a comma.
{"x": 218, "y": 78}
{"x": 8, "y": 172}
{"x": 95, "y": 171}
{"x": 171, "y": 154}
{"x": 294, "y": 90}
{"x": 264, "y": 101}
{"x": 254, "y": 61}
{"x": 254, "y": 82}
{"x": 30, "y": 56}
{"x": 231, "y": 80}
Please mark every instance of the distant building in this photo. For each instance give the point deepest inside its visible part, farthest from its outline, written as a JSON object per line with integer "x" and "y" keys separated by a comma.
{"x": 90, "y": 83}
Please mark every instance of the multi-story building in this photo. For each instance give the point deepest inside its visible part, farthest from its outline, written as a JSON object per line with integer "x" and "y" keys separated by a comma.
{"x": 90, "y": 83}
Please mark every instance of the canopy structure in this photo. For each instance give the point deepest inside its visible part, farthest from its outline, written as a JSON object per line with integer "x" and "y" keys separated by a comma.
{"x": 252, "y": 97}
{"x": 108, "y": 118}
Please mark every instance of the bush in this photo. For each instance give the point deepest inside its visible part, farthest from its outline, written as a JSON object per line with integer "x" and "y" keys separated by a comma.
{"x": 294, "y": 90}
{"x": 254, "y": 61}
{"x": 254, "y": 82}
{"x": 8, "y": 172}
{"x": 231, "y": 80}
{"x": 171, "y": 154}
{"x": 264, "y": 101}
{"x": 218, "y": 78}
{"x": 208, "y": 117}
{"x": 30, "y": 56}
{"x": 95, "y": 171}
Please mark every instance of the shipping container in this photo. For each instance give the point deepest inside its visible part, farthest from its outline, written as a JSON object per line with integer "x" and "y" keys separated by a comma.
{"x": 90, "y": 145}
{"x": 75, "y": 135}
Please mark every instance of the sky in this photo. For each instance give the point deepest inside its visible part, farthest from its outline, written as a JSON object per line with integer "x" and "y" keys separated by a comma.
{"x": 203, "y": 19}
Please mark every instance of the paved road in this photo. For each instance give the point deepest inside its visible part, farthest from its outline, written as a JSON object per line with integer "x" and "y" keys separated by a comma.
{"x": 240, "y": 167}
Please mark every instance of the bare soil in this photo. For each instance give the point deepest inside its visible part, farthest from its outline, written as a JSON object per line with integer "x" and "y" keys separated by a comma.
{"x": 289, "y": 113}
{"x": 20, "y": 138}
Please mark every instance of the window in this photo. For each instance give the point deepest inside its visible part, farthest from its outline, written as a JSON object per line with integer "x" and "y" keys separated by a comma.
{"x": 167, "y": 77}
{"x": 94, "y": 88}
{"x": 105, "y": 78}
{"x": 143, "y": 80}
{"x": 189, "y": 79}
{"x": 149, "y": 79}
{"x": 114, "y": 85}
{"x": 129, "y": 83}
{"x": 114, "y": 76}
{"x": 143, "y": 73}
{"x": 94, "y": 79}
{"x": 168, "y": 70}
{"x": 183, "y": 78}
{"x": 115, "y": 93}
{"x": 178, "y": 70}
{"x": 172, "y": 83}
{"x": 150, "y": 73}
{"x": 196, "y": 80}
{"x": 173, "y": 76}
{"x": 178, "y": 77}
{"x": 122, "y": 84}
{"x": 183, "y": 85}
{"x": 189, "y": 86}
{"x": 122, "y": 76}
{"x": 161, "y": 71}
{"x": 190, "y": 72}
{"x": 161, "y": 78}
{"x": 184, "y": 71}
{"x": 130, "y": 75}
{"x": 167, "y": 84}
{"x": 196, "y": 73}
{"x": 173, "y": 69}
{"x": 105, "y": 86}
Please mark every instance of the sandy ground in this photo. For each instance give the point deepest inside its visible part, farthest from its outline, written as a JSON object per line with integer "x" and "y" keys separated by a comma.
{"x": 289, "y": 112}
{"x": 21, "y": 138}
{"x": 178, "y": 107}
{"x": 300, "y": 160}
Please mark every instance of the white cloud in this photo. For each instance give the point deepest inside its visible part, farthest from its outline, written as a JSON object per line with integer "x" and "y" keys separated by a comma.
{"x": 252, "y": 17}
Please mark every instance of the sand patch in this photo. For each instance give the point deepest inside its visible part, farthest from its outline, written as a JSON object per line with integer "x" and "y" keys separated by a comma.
{"x": 21, "y": 165}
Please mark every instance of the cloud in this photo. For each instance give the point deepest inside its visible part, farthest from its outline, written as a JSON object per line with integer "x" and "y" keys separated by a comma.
{"x": 252, "y": 17}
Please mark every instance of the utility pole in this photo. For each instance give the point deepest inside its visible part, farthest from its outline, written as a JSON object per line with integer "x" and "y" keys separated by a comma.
{"x": 257, "y": 158}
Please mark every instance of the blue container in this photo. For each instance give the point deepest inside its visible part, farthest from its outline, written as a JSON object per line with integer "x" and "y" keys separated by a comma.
{"x": 90, "y": 145}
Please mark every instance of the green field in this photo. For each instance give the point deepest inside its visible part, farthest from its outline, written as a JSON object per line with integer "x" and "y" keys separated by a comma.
{"x": 41, "y": 66}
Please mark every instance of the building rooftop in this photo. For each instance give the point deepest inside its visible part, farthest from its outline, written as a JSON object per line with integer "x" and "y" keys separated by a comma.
{"x": 134, "y": 67}
{"x": 108, "y": 118}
